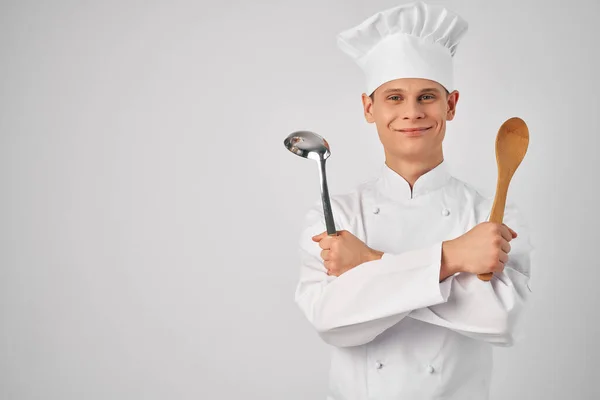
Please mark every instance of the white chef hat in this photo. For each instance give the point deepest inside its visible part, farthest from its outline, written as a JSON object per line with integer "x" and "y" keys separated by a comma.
{"x": 414, "y": 40}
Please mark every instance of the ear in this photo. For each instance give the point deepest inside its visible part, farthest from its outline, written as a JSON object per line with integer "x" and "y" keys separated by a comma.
{"x": 368, "y": 108}
{"x": 451, "y": 105}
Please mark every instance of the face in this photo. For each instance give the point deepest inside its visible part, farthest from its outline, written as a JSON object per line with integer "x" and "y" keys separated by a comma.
{"x": 410, "y": 115}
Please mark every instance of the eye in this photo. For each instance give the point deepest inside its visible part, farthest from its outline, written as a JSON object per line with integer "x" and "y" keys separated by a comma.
{"x": 393, "y": 98}
{"x": 427, "y": 97}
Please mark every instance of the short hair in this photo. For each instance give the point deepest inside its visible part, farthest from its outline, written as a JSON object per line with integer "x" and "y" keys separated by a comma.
{"x": 372, "y": 95}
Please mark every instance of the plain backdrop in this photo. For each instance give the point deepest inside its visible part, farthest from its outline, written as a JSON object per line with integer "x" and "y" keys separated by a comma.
{"x": 149, "y": 212}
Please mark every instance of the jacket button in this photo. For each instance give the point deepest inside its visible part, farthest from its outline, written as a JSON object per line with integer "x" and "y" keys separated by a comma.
{"x": 376, "y": 210}
{"x": 445, "y": 212}
{"x": 378, "y": 365}
{"x": 430, "y": 369}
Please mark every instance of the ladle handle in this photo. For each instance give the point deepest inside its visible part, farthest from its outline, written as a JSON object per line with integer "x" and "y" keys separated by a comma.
{"x": 497, "y": 214}
{"x": 331, "y": 231}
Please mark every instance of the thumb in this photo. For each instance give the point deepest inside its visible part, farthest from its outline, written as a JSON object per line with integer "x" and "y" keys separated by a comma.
{"x": 318, "y": 237}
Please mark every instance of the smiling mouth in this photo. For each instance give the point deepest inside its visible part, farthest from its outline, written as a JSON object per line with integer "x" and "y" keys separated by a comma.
{"x": 413, "y": 130}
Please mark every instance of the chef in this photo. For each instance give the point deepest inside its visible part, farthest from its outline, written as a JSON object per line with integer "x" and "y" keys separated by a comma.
{"x": 396, "y": 292}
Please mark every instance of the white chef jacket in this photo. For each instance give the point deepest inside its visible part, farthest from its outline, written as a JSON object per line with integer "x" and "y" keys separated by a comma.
{"x": 397, "y": 332}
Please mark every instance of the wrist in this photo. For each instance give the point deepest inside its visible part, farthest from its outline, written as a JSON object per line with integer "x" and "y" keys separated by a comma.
{"x": 449, "y": 265}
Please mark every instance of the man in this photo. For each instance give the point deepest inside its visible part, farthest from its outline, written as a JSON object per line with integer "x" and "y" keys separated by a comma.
{"x": 396, "y": 292}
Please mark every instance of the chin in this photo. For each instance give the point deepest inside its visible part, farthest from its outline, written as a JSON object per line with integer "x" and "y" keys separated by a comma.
{"x": 407, "y": 155}
{"x": 407, "y": 151}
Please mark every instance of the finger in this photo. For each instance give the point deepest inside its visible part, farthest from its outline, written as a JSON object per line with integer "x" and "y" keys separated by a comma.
{"x": 318, "y": 237}
{"x": 503, "y": 258}
{"x": 513, "y": 233}
{"x": 325, "y": 255}
{"x": 326, "y": 242}
{"x": 499, "y": 267}
{"x": 505, "y": 246}
{"x": 505, "y": 233}
{"x": 330, "y": 267}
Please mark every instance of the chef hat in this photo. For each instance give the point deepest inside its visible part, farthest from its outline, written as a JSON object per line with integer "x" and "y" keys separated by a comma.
{"x": 414, "y": 40}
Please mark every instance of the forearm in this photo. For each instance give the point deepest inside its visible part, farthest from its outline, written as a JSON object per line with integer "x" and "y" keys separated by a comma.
{"x": 485, "y": 311}
{"x": 360, "y": 304}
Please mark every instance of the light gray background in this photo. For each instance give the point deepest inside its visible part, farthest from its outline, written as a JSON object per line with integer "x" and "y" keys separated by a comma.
{"x": 149, "y": 213}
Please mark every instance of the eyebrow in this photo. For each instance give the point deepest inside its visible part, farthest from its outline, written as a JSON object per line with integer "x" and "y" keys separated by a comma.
{"x": 396, "y": 90}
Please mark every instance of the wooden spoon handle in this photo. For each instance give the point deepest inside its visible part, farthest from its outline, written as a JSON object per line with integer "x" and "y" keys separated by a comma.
{"x": 497, "y": 214}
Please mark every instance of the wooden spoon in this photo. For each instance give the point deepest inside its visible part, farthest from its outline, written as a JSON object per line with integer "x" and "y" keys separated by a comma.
{"x": 511, "y": 145}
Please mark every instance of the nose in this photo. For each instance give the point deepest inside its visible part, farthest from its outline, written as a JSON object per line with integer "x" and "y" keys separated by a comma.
{"x": 412, "y": 110}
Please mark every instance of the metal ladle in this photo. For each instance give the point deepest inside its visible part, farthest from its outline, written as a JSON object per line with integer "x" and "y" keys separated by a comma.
{"x": 310, "y": 145}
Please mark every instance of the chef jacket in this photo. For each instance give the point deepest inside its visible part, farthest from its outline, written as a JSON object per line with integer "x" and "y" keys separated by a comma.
{"x": 396, "y": 331}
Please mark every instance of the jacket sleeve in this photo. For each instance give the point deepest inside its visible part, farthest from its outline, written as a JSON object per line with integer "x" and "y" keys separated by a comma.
{"x": 489, "y": 311}
{"x": 360, "y": 304}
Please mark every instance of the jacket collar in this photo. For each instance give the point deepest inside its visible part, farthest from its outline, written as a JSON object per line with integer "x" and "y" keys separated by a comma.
{"x": 396, "y": 187}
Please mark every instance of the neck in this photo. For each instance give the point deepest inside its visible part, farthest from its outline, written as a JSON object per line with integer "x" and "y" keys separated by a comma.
{"x": 411, "y": 170}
